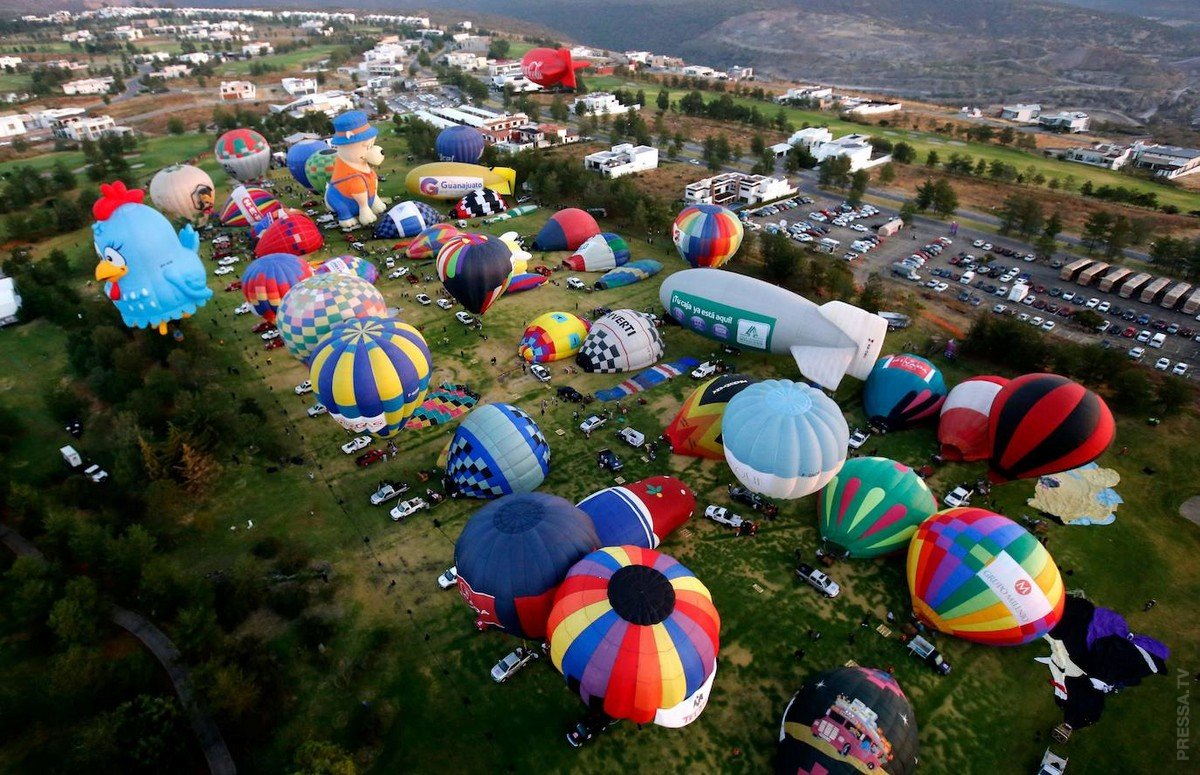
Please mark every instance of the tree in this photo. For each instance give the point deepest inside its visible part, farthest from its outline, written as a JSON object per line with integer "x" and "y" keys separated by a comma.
{"x": 64, "y": 179}
{"x": 908, "y": 212}
{"x": 903, "y": 153}
{"x": 800, "y": 158}
{"x": 1118, "y": 237}
{"x": 1006, "y": 136}
{"x": 870, "y": 297}
{"x": 858, "y": 187}
{"x": 757, "y": 145}
{"x": 1174, "y": 395}
{"x": 1095, "y": 229}
{"x": 197, "y": 469}
{"x": 498, "y": 49}
{"x": 925, "y": 194}
{"x": 663, "y": 101}
{"x": 781, "y": 257}
{"x": 559, "y": 110}
{"x": 931, "y": 159}
{"x": 176, "y": 126}
{"x": 317, "y": 757}
{"x": 887, "y": 173}
{"x": 835, "y": 171}
{"x": 945, "y": 200}
{"x": 78, "y": 616}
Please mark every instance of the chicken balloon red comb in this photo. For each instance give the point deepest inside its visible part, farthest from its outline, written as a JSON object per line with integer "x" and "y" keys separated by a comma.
{"x": 112, "y": 196}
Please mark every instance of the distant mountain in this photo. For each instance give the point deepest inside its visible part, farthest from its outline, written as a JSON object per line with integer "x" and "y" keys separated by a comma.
{"x": 1166, "y": 10}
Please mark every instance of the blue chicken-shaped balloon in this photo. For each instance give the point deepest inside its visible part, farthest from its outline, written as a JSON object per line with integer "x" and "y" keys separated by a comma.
{"x": 150, "y": 273}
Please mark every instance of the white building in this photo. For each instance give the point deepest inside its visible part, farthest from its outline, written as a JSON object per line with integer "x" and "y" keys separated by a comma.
{"x": 1167, "y": 161}
{"x": 126, "y": 32}
{"x": 65, "y": 64}
{"x": 817, "y": 93}
{"x": 518, "y": 84}
{"x": 600, "y": 103}
{"x": 504, "y": 67}
{"x": 1108, "y": 155}
{"x": 195, "y": 58}
{"x": 12, "y": 125}
{"x": 464, "y": 60}
{"x": 810, "y": 136}
{"x": 969, "y": 112}
{"x": 1066, "y": 121}
{"x": 238, "y": 90}
{"x": 171, "y": 72}
{"x": 623, "y": 159}
{"x": 77, "y": 36}
{"x": 90, "y": 128}
{"x": 855, "y": 147}
{"x": 150, "y": 57}
{"x": 259, "y": 48}
{"x": 88, "y": 86}
{"x": 873, "y": 108}
{"x": 739, "y": 73}
{"x": 733, "y": 187}
{"x": 7, "y": 61}
{"x": 330, "y": 103}
{"x": 1021, "y": 113}
{"x": 298, "y": 87}
{"x": 48, "y": 118}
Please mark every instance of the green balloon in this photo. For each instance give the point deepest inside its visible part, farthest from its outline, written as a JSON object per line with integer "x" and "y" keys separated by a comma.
{"x": 319, "y": 168}
{"x": 872, "y": 507}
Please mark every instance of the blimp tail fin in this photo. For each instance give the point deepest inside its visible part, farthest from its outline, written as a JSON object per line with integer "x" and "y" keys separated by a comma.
{"x": 823, "y": 364}
{"x": 570, "y": 66}
{"x": 865, "y": 329}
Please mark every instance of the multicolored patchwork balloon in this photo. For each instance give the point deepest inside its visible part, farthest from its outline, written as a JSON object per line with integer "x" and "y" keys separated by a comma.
{"x": 707, "y": 235}
{"x": 431, "y": 241}
{"x": 243, "y": 153}
{"x": 497, "y": 450}
{"x": 268, "y": 279}
{"x": 553, "y": 336}
{"x": 313, "y": 307}
{"x": 872, "y": 507}
{"x": 318, "y": 168}
{"x": 355, "y": 265}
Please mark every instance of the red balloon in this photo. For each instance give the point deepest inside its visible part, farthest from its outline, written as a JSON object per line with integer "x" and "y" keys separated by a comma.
{"x": 296, "y": 234}
{"x": 550, "y": 67}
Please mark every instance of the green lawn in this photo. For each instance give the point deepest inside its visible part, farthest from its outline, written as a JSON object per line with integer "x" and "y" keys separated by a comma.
{"x": 284, "y": 63}
{"x": 412, "y": 653}
{"x": 14, "y": 82}
{"x": 154, "y": 153}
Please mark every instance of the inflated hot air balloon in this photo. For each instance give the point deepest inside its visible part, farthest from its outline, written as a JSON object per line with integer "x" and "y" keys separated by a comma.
{"x": 460, "y": 143}
{"x": 474, "y": 269}
{"x": 497, "y": 450}
{"x": 297, "y": 158}
{"x": 599, "y": 253}
{"x": 247, "y": 205}
{"x": 622, "y": 340}
{"x": 637, "y": 635}
{"x": 566, "y": 230}
{"x": 526, "y": 281}
{"x": 183, "y": 191}
{"x": 430, "y": 242}
{"x": 478, "y": 203}
{"x": 633, "y": 272}
{"x": 295, "y": 234}
{"x": 848, "y": 720}
{"x": 903, "y": 390}
{"x": 1043, "y": 424}
{"x": 784, "y": 439}
{"x": 696, "y": 429}
{"x": 551, "y": 67}
{"x": 318, "y": 168}
{"x": 406, "y": 219}
{"x": 553, "y": 336}
{"x": 983, "y": 578}
{"x": 707, "y": 235}
{"x": 270, "y": 219}
{"x": 640, "y": 514}
{"x": 872, "y": 507}
{"x": 314, "y": 306}
{"x": 963, "y": 423}
{"x": 371, "y": 373}
{"x": 268, "y": 279}
{"x": 355, "y": 265}
{"x": 243, "y": 153}
{"x": 513, "y": 554}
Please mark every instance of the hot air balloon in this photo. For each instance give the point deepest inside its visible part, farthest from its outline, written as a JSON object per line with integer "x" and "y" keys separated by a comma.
{"x": 633, "y": 272}
{"x": 566, "y": 230}
{"x": 553, "y": 336}
{"x": 707, "y": 235}
{"x": 1043, "y": 424}
{"x": 903, "y": 390}
{"x": 478, "y": 203}
{"x": 244, "y": 154}
{"x": 371, "y": 373}
{"x": 784, "y": 439}
{"x": 637, "y": 635}
{"x": 696, "y": 429}
{"x": 460, "y": 143}
{"x": 268, "y": 279}
{"x": 295, "y": 234}
{"x": 248, "y": 205}
{"x": 526, "y": 281}
{"x": 983, "y": 578}
{"x": 513, "y": 554}
{"x": 640, "y": 514}
{"x": 848, "y": 720}
{"x": 297, "y": 158}
{"x": 599, "y": 253}
{"x": 551, "y": 67}
{"x": 318, "y": 168}
{"x": 270, "y": 219}
{"x": 431, "y": 241}
{"x": 406, "y": 219}
{"x": 183, "y": 191}
{"x": 963, "y": 424}
{"x": 474, "y": 269}
{"x": 622, "y": 340}
{"x": 314, "y": 306}
{"x": 872, "y": 507}
{"x": 497, "y": 450}
{"x": 355, "y": 265}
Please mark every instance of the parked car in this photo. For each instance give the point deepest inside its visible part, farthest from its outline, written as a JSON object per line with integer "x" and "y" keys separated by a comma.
{"x": 423, "y": 299}
{"x": 316, "y": 410}
{"x": 723, "y": 516}
{"x": 818, "y": 580}
{"x": 959, "y": 496}
{"x": 464, "y": 317}
{"x": 262, "y": 327}
{"x": 606, "y": 458}
{"x": 1180, "y": 369}
{"x": 449, "y": 578}
{"x": 513, "y": 663}
{"x": 407, "y": 508}
{"x": 274, "y": 344}
{"x": 95, "y": 473}
{"x": 1136, "y": 353}
{"x": 355, "y": 444}
{"x": 633, "y": 438}
{"x": 1162, "y": 364}
{"x": 388, "y": 491}
{"x": 223, "y": 270}
{"x": 370, "y": 457}
{"x": 740, "y": 494}
{"x": 539, "y": 372}
{"x": 704, "y": 370}
{"x": 568, "y": 393}
{"x": 575, "y": 284}
{"x": 269, "y": 335}
{"x": 243, "y": 308}
{"x": 444, "y": 303}
{"x": 925, "y": 651}
{"x": 592, "y": 423}
{"x": 303, "y": 387}
{"x": 858, "y": 438}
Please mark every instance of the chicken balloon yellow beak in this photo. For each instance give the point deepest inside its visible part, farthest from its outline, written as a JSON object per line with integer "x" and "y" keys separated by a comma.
{"x": 108, "y": 271}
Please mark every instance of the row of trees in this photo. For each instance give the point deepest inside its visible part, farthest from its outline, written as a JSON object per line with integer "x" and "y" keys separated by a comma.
{"x": 1111, "y": 234}
{"x": 1179, "y": 257}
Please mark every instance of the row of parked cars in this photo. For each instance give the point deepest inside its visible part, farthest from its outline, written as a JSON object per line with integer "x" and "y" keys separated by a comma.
{"x": 778, "y": 207}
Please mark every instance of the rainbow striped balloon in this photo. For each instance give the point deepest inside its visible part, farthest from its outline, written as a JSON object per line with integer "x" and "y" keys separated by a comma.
{"x": 313, "y": 307}
{"x": 707, "y": 235}
{"x": 636, "y": 634}
{"x": 268, "y": 279}
{"x": 355, "y": 265}
{"x": 983, "y": 578}
{"x": 372, "y": 373}
{"x": 872, "y": 507}
{"x": 474, "y": 268}
{"x": 247, "y": 206}
{"x": 429, "y": 243}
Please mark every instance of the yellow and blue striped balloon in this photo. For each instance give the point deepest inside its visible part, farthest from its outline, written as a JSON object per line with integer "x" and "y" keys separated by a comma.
{"x": 372, "y": 373}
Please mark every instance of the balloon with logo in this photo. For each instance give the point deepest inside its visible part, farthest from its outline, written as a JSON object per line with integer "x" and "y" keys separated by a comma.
{"x": 553, "y": 336}
{"x": 622, "y": 340}
{"x": 267, "y": 280}
{"x": 903, "y": 390}
{"x": 512, "y": 555}
{"x": 474, "y": 269}
{"x": 566, "y": 230}
{"x": 183, "y": 191}
{"x": 984, "y": 578}
{"x": 371, "y": 374}
{"x": 696, "y": 428}
{"x": 551, "y": 67}
{"x": 247, "y": 206}
{"x": 599, "y": 253}
{"x": 314, "y": 306}
{"x": 963, "y": 422}
{"x": 460, "y": 143}
{"x": 318, "y": 168}
{"x": 406, "y": 219}
{"x": 297, "y": 158}
{"x": 871, "y": 507}
{"x": 497, "y": 450}
{"x": 355, "y": 265}
{"x": 707, "y": 235}
{"x": 294, "y": 234}
{"x": 641, "y": 513}
{"x": 244, "y": 154}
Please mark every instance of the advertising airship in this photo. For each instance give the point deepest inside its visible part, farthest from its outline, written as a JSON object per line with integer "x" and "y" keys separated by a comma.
{"x": 828, "y": 340}
{"x": 454, "y": 180}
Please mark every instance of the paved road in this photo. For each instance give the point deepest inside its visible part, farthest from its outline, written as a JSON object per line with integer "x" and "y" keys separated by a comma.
{"x": 220, "y": 762}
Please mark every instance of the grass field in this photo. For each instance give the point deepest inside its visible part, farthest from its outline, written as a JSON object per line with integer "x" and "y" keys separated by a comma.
{"x": 284, "y": 63}
{"x": 15, "y": 82}
{"x": 411, "y": 650}
{"x": 154, "y": 153}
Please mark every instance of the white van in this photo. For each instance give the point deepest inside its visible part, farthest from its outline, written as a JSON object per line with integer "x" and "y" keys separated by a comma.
{"x": 1158, "y": 339}
{"x": 967, "y": 277}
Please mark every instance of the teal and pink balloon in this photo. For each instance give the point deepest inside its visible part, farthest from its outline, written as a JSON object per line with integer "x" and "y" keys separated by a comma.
{"x": 707, "y": 235}
{"x": 474, "y": 268}
{"x": 871, "y": 507}
{"x": 903, "y": 390}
